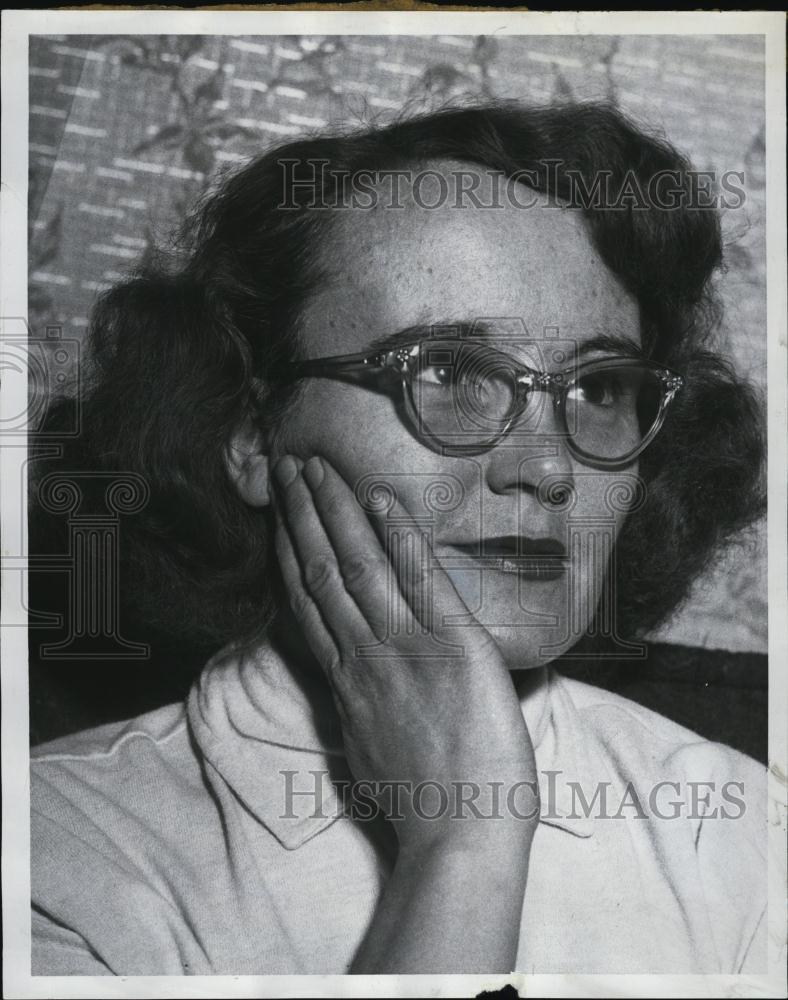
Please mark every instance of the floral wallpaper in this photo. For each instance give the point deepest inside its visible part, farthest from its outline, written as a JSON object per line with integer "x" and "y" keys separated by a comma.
{"x": 126, "y": 131}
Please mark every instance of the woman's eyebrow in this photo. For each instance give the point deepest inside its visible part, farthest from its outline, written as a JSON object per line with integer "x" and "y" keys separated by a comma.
{"x": 426, "y": 331}
{"x": 606, "y": 343}
{"x": 610, "y": 343}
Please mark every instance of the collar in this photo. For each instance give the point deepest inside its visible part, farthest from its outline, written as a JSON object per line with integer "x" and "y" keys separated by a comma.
{"x": 273, "y": 735}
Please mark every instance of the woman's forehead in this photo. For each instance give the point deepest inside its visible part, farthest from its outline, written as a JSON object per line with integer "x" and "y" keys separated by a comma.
{"x": 433, "y": 256}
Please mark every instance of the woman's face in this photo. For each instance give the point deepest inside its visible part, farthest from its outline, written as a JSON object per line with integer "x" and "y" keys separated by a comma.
{"x": 534, "y": 272}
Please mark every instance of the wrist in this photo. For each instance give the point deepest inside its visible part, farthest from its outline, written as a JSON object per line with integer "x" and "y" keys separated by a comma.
{"x": 490, "y": 861}
{"x": 477, "y": 836}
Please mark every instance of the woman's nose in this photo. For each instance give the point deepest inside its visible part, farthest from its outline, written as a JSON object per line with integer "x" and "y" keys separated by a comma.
{"x": 533, "y": 456}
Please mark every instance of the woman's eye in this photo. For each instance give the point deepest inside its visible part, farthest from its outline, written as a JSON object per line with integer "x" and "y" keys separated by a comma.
{"x": 599, "y": 390}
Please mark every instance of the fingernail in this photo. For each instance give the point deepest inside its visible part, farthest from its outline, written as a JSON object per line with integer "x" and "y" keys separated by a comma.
{"x": 286, "y": 471}
{"x": 313, "y": 472}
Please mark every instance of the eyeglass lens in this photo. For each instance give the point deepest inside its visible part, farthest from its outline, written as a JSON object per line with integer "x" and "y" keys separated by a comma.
{"x": 464, "y": 394}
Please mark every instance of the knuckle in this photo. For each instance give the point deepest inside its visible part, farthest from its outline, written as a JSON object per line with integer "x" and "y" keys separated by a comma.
{"x": 301, "y": 605}
{"x": 357, "y": 570}
{"x": 331, "y": 662}
{"x": 318, "y": 573}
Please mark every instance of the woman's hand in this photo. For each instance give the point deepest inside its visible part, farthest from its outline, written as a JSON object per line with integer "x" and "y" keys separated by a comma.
{"x": 410, "y": 714}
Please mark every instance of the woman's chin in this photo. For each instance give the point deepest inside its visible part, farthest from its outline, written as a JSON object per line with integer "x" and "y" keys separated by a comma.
{"x": 529, "y": 648}
{"x": 527, "y": 637}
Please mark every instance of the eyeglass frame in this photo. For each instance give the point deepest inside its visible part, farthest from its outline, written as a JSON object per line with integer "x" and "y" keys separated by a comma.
{"x": 399, "y": 361}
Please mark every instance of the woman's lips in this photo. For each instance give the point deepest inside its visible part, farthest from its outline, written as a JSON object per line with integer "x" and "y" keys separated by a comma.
{"x": 533, "y": 568}
{"x": 530, "y": 558}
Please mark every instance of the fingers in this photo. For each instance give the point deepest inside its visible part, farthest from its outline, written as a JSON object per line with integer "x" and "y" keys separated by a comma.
{"x": 304, "y": 608}
{"x": 383, "y": 561}
{"x": 426, "y": 585}
{"x": 366, "y": 571}
{"x": 320, "y": 573}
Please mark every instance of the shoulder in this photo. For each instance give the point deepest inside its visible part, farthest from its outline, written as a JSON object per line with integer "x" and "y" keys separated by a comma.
{"x": 158, "y": 727}
{"x": 113, "y": 817}
{"x": 114, "y": 789}
{"x": 679, "y": 775}
{"x": 705, "y": 807}
{"x": 98, "y": 759}
{"x": 722, "y": 792}
{"x": 654, "y": 744}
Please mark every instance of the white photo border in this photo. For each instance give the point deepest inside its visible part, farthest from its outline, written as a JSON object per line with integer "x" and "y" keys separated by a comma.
{"x": 17, "y": 26}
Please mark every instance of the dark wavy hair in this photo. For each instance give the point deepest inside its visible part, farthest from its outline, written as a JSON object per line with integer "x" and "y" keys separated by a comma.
{"x": 183, "y": 353}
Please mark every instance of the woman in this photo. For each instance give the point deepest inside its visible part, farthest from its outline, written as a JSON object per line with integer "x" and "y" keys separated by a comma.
{"x": 423, "y": 408}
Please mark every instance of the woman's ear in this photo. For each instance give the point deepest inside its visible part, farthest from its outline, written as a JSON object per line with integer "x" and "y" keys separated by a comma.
{"x": 247, "y": 464}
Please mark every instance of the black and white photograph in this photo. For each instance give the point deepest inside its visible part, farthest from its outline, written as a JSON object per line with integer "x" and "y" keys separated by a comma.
{"x": 392, "y": 407}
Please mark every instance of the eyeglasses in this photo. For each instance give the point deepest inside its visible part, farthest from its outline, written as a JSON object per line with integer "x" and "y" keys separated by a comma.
{"x": 463, "y": 397}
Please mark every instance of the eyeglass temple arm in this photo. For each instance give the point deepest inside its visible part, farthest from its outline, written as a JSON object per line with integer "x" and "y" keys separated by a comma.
{"x": 343, "y": 363}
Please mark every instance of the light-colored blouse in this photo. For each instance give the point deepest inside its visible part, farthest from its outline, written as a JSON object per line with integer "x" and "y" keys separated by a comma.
{"x": 178, "y": 842}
